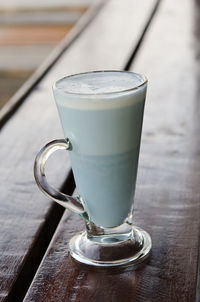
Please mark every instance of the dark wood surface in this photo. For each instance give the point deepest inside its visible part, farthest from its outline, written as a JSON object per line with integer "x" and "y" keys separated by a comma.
{"x": 168, "y": 193}
{"x": 167, "y": 201}
{"x": 28, "y": 219}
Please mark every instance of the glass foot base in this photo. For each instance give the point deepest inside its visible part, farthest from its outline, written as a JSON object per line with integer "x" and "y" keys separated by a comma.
{"x": 110, "y": 251}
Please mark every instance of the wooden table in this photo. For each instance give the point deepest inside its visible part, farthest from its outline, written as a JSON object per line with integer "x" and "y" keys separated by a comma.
{"x": 161, "y": 40}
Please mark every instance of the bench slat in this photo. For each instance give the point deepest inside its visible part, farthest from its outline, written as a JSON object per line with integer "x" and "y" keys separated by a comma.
{"x": 24, "y": 211}
{"x": 168, "y": 192}
{"x": 167, "y": 202}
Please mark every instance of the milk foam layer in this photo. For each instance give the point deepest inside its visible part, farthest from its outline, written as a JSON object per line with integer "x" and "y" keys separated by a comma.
{"x": 99, "y": 82}
{"x": 106, "y": 89}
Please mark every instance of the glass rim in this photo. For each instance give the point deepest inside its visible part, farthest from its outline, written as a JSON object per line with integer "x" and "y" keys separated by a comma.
{"x": 117, "y": 92}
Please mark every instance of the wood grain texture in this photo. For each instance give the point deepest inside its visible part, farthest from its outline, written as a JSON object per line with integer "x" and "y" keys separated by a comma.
{"x": 23, "y": 209}
{"x": 168, "y": 193}
{"x": 167, "y": 201}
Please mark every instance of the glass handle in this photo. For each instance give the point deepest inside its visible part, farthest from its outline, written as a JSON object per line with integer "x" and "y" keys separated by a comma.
{"x": 69, "y": 202}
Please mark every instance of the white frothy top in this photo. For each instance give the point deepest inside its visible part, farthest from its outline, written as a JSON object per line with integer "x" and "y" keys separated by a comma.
{"x": 100, "y": 90}
{"x": 100, "y": 82}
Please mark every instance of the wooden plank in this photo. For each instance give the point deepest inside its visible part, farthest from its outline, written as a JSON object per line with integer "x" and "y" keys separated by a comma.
{"x": 167, "y": 202}
{"x": 168, "y": 194}
{"x": 23, "y": 209}
{"x": 118, "y": 34}
{"x": 9, "y": 83}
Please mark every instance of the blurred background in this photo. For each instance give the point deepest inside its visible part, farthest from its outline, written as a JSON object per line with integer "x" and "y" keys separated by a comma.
{"x": 29, "y": 30}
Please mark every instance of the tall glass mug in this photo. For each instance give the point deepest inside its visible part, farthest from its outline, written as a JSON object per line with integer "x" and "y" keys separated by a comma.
{"x": 101, "y": 114}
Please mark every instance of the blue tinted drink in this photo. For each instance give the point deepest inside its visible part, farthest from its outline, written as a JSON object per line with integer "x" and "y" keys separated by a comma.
{"x": 101, "y": 114}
